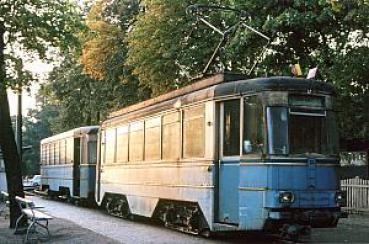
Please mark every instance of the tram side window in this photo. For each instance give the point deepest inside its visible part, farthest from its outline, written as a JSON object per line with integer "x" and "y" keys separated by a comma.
{"x": 56, "y": 153}
{"x": 171, "y": 134}
{"x": 277, "y": 130}
{"x": 136, "y": 141}
{"x": 62, "y": 152}
{"x": 110, "y": 145}
{"x": 253, "y": 136}
{"x": 70, "y": 150}
{"x": 122, "y": 144}
{"x": 231, "y": 128}
{"x": 46, "y": 154}
{"x": 51, "y": 154}
{"x": 152, "y": 139}
{"x": 193, "y": 132}
{"x": 92, "y": 152}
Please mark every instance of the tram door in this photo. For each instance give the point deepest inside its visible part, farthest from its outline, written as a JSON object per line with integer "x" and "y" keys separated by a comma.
{"x": 76, "y": 168}
{"x": 229, "y": 158}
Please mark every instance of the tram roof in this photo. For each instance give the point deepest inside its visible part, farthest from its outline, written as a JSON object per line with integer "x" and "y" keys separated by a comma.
{"x": 277, "y": 83}
{"x": 72, "y": 133}
{"x": 226, "y": 85}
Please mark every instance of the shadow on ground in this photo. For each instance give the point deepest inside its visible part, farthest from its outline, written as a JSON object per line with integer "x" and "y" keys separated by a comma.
{"x": 61, "y": 231}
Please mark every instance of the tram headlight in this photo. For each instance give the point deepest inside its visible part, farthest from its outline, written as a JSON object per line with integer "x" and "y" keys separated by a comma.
{"x": 340, "y": 198}
{"x": 286, "y": 197}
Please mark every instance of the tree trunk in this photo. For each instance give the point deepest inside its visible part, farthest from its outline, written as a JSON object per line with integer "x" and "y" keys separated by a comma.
{"x": 7, "y": 141}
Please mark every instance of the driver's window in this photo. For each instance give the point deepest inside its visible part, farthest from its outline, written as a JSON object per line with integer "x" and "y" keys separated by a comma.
{"x": 253, "y": 132}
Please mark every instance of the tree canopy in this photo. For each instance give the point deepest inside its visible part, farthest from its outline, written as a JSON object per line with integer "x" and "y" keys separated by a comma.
{"x": 166, "y": 46}
{"x": 131, "y": 50}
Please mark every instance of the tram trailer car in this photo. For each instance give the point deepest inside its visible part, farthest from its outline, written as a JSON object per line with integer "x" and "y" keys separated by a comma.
{"x": 68, "y": 163}
{"x": 226, "y": 154}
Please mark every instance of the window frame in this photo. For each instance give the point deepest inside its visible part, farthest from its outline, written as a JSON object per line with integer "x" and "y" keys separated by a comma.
{"x": 113, "y": 140}
{"x": 221, "y": 130}
{"x": 153, "y": 122}
{"x": 270, "y": 137}
{"x": 136, "y": 126}
{"x": 182, "y": 138}
{"x": 88, "y": 144}
{"x": 254, "y": 154}
{"x": 122, "y": 130}
{"x": 165, "y": 122}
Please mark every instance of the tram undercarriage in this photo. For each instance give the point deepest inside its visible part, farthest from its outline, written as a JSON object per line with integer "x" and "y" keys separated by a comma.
{"x": 183, "y": 216}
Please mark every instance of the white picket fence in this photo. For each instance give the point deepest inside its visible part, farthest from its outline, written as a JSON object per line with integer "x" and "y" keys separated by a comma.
{"x": 357, "y": 191}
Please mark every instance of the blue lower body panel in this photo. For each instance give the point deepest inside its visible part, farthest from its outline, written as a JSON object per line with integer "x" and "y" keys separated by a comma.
{"x": 60, "y": 178}
{"x": 87, "y": 181}
{"x": 228, "y": 193}
{"x": 249, "y": 194}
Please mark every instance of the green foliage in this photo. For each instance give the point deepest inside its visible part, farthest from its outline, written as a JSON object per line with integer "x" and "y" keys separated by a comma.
{"x": 74, "y": 93}
{"x": 36, "y": 126}
{"x": 105, "y": 48}
{"x": 86, "y": 87}
{"x": 80, "y": 99}
{"x": 351, "y": 75}
{"x": 329, "y": 34}
{"x": 132, "y": 49}
{"x": 102, "y": 42}
{"x": 158, "y": 49}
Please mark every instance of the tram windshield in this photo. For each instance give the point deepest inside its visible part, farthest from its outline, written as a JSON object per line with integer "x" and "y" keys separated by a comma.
{"x": 301, "y": 134}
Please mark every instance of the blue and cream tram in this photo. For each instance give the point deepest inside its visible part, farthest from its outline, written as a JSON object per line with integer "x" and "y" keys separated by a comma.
{"x": 68, "y": 163}
{"x": 225, "y": 154}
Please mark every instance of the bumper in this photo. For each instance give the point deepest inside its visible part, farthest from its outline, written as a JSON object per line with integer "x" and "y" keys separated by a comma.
{"x": 315, "y": 218}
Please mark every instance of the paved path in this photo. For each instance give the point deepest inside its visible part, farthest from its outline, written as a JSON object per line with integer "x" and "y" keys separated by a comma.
{"x": 136, "y": 232}
{"x": 355, "y": 229}
{"x": 119, "y": 229}
{"x": 61, "y": 231}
